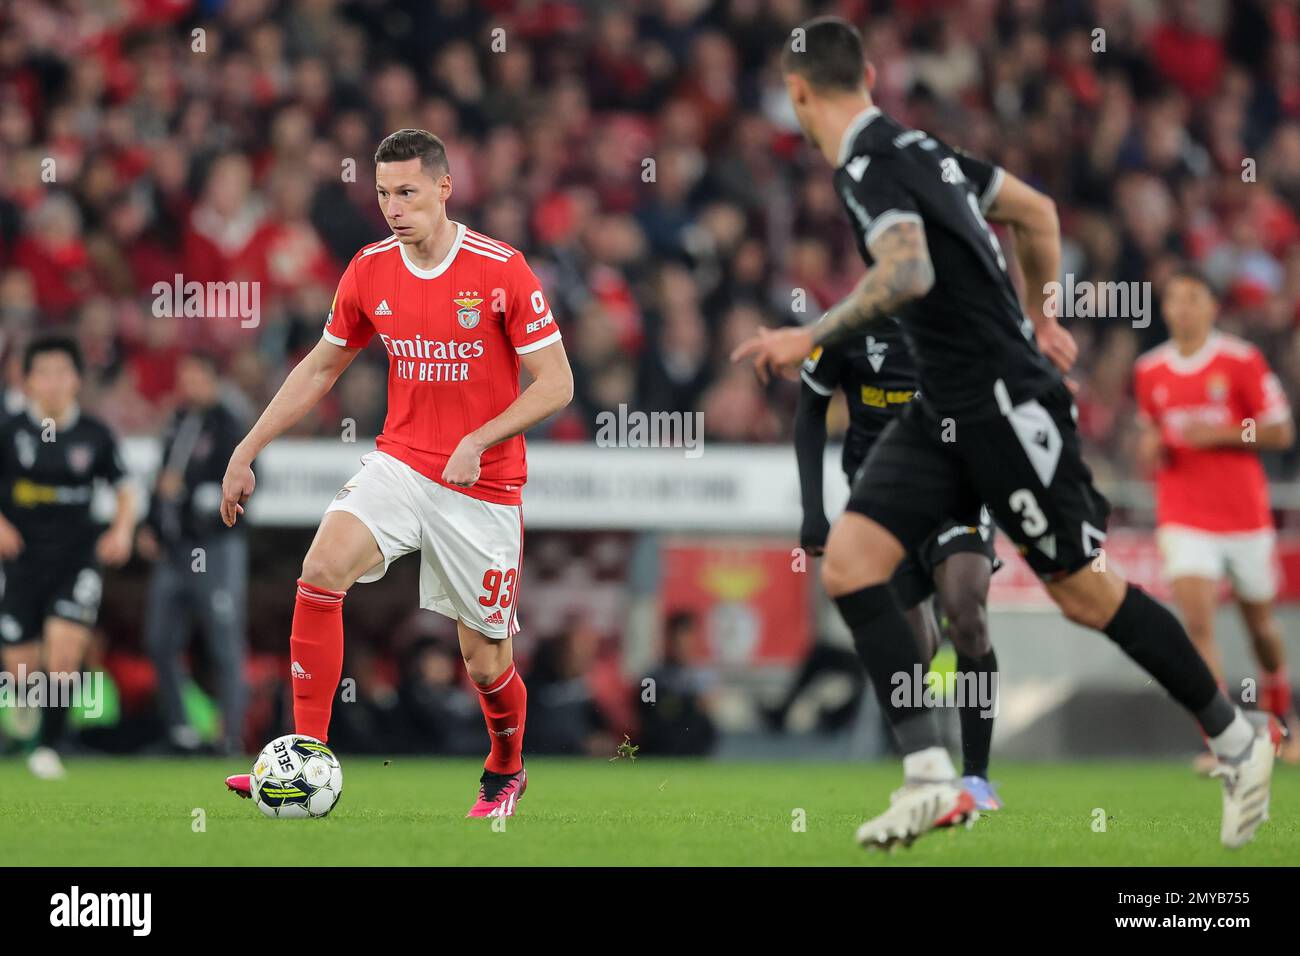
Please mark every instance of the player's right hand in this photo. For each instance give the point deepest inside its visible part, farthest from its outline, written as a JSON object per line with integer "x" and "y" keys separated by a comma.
{"x": 1057, "y": 344}
{"x": 775, "y": 352}
{"x": 236, "y": 486}
{"x": 11, "y": 542}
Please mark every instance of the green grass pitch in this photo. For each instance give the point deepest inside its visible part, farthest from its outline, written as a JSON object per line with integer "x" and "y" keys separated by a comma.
{"x": 647, "y": 812}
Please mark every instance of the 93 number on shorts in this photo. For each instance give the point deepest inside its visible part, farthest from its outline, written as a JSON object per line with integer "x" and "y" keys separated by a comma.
{"x": 500, "y": 587}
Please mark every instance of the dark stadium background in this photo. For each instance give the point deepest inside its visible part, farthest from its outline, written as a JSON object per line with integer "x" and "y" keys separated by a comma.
{"x": 225, "y": 164}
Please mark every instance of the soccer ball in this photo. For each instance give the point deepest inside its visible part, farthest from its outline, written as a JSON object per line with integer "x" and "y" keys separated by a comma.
{"x": 296, "y": 776}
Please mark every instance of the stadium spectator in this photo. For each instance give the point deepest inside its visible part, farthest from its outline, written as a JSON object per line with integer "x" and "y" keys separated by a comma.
{"x": 200, "y": 573}
{"x": 563, "y": 714}
{"x": 677, "y": 720}
{"x": 440, "y": 716}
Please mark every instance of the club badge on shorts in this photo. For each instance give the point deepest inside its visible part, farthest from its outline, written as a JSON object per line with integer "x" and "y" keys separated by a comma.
{"x": 468, "y": 313}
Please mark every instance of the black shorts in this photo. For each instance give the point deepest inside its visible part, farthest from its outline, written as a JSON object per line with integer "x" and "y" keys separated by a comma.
{"x": 39, "y": 586}
{"x": 914, "y": 580}
{"x": 1025, "y": 464}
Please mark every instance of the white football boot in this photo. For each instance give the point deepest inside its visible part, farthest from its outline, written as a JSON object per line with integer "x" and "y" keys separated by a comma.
{"x": 44, "y": 763}
{"x": 1246, "y": 781}
{"x": 916, "y": 809}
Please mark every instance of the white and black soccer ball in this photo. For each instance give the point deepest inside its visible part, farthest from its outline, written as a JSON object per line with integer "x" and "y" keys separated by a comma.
{"x": 296, "y": 776}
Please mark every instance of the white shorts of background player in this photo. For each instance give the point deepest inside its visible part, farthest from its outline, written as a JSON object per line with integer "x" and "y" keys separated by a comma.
{"x": 1248, "y": 559}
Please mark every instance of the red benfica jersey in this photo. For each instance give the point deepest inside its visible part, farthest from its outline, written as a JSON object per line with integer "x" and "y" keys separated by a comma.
{"x": 1223, "y": 383}
{"x": 454, "y": 334}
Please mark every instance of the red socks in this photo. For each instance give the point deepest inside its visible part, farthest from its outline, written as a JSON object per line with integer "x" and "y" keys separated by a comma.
{"x": 505, "y": 705}
{"x": 316, "y": 646}
{"x": 1275, "y": 694}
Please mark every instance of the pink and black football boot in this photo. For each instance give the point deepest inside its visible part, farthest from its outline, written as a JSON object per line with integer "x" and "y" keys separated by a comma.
{"x": 499, "y": 794}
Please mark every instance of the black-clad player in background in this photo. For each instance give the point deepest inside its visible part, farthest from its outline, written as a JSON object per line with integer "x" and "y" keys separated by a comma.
{"x": 876, "y": 374}
{"x": 52, "y": 454}
{"x": 994, "y": 423}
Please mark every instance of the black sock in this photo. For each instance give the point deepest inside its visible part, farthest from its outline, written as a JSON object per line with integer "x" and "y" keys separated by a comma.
{"x": 887, "y": 647}
{"x": 54, "y": 721}
{"x": 977, "y": 719}
{"x": 1150, "y": 634}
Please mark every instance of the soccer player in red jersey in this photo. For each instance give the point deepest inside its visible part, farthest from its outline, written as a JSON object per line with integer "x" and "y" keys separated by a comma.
{"x": 458, "y": 313}
{"x": 1208, "y": 404}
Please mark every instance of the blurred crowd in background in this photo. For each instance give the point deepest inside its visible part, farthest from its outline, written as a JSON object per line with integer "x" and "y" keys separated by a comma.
{"x": 641, "y": 153}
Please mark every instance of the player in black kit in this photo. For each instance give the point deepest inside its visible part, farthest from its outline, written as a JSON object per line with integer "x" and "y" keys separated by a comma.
{"x": 953, "y": 565}
{"x": 995, "y": 423}
{"x": 51, "y": 456}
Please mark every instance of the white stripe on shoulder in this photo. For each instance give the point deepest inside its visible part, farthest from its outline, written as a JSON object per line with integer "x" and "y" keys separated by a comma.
{"x": 387, "y": 244}
{"x": 491, "y": 243}
{"x": 890, "y": 218}
{"x": 469, "y": 246}
{"x": 1236, "y": 346}
{"x": 1153, "y": 357}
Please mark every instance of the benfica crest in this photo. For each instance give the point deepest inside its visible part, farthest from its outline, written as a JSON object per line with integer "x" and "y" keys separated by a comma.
{"x": 468, "y": 313}
{"x": 1216, "y": 386}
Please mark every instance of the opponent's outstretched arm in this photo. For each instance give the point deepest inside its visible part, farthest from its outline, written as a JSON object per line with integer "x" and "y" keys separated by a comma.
{"x": 306, "y": 385}
{"x": 902, "y": 272}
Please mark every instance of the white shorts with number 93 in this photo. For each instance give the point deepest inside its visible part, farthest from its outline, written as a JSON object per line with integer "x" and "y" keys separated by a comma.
{"x": 1248, "y": 559}
{"x": 470, "y": 550}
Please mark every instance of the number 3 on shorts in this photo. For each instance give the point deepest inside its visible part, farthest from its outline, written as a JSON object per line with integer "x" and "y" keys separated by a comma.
{"x": 1032, "y": 520}
{"x": 492, "y": 581}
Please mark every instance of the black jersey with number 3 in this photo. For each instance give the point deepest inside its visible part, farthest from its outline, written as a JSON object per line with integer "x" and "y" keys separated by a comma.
{"x": 969, "y": 332}
{"x": 48, "y": 475}
{"x": 878, "y": 378}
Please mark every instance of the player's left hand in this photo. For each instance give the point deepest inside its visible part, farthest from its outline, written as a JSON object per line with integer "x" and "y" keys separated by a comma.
{"x": 463, "y": 465}
{"x": 775, "y": 351}
{"x": 113, "y": 548}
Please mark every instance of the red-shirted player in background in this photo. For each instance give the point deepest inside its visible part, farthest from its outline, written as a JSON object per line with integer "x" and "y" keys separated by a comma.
{"x": 1208, "y": 405}
{"x": 458, "y": 313}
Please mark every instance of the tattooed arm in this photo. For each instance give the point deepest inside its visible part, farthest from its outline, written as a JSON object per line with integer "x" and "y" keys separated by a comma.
{"x": 903, "y": 272}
